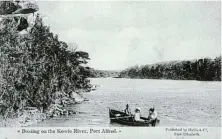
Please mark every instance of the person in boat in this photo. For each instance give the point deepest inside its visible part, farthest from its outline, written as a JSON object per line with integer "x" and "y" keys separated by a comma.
{"x": 152, "y": 118}
{"x": 137, "y": 114}
{"x": 127, "y": 110}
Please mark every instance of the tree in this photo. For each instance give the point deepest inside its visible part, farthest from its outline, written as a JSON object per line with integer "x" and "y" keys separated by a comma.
{"x": 34, "y": 67}
{"x": 202, "y": 69}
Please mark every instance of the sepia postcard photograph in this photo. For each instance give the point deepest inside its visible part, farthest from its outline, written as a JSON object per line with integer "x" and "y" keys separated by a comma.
{"x": 110, "y": 69}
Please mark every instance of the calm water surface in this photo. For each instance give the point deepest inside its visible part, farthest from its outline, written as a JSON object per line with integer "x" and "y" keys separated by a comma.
{"x": 178, "y": 103}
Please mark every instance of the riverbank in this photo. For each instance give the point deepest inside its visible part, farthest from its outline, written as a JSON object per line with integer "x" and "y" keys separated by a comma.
{"x": 32, "y": 115}
{"x": 205, "y": 69}
{"x": 139, "y": 78}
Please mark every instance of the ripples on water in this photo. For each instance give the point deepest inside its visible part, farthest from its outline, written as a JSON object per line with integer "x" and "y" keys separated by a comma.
{"x": 178, "y": 103}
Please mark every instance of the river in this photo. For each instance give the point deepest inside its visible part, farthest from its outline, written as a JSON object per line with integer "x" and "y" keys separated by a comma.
{"x": 178, "y": 103}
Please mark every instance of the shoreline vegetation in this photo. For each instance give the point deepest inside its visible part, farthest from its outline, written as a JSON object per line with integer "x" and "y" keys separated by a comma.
{"x": 205, "y": 69}
{"x": 39, "y": 75}
{"x": 94, "y": 73}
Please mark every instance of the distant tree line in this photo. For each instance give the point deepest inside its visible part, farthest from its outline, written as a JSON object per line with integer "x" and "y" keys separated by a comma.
{"x": 35, "y": 66}
{"x": 103, "y": 73}
{"x": 205, "y": 69}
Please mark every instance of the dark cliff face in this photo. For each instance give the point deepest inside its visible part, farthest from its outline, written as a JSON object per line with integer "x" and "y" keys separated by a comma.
{"x": 8, "y": 7}
{"x": 13, "y": 10}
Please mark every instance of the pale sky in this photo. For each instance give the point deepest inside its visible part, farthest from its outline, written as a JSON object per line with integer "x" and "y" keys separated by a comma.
{"x": 121, "y": 34}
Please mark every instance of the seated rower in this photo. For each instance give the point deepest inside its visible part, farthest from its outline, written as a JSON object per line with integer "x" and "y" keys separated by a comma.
{"x": 152, "y": 116}
{"x": 137, "y": 115}
{"x": 127, "y": 110}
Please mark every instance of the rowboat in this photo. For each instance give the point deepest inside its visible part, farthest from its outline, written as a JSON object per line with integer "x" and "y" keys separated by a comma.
{"x": 125, "y": 119}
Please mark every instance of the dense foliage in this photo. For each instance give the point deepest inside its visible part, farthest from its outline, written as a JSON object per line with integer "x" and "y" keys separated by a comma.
{"x": 203, "y": 69}
{"x": 35, "y": 66}
{"x": 103, "y": 73}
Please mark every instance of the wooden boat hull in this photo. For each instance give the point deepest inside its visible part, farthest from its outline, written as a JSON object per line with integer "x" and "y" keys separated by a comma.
{"x": 124, "y": 119}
